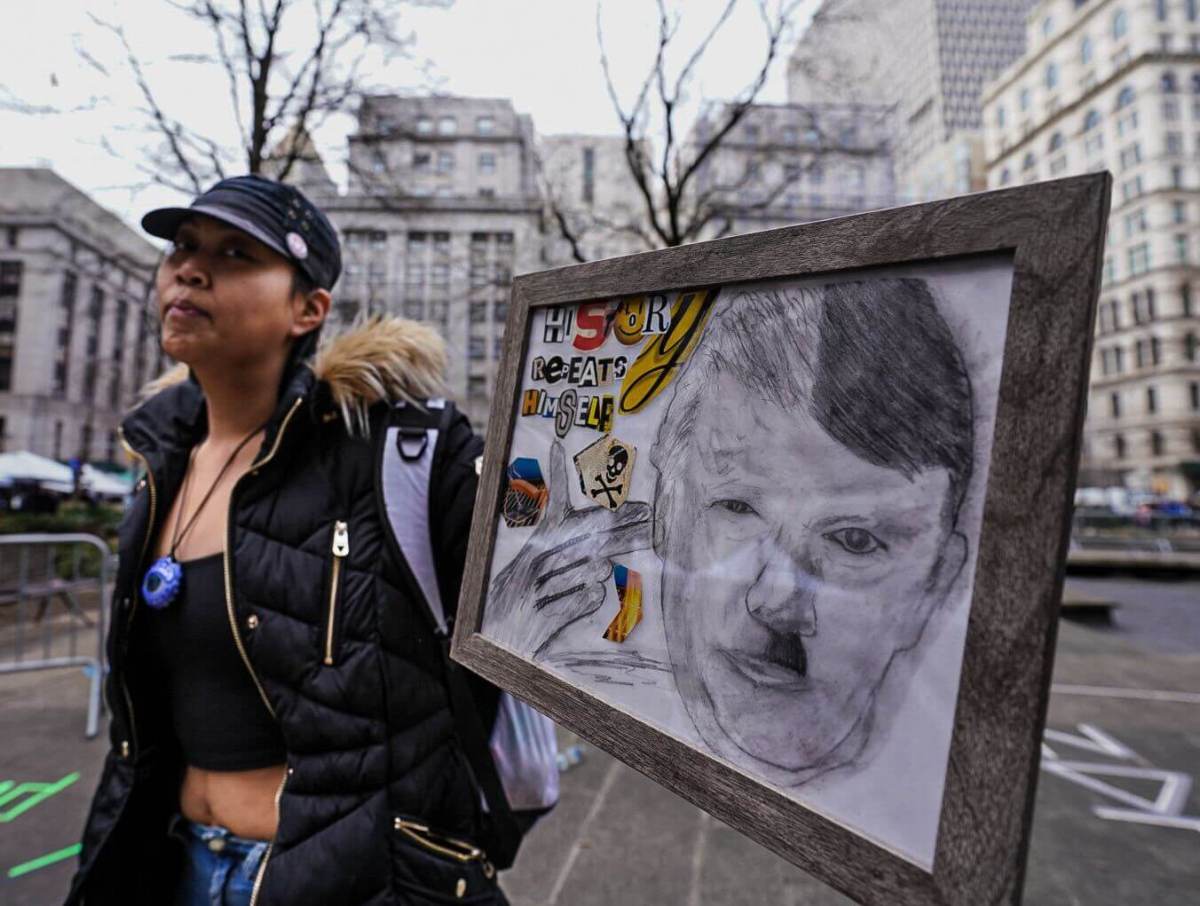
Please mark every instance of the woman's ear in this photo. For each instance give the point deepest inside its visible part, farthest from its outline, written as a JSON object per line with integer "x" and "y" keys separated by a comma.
{"x": 309, "y": 311}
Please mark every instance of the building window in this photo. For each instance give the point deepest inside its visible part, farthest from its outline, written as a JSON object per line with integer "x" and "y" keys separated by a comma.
{"x": 1194, "y": 390}
{"x": 477, "y": 388}
{"x": 1170, "y": 108}
{"x": 1189, "y": 347}
{"x": 1029, "y": 162}
{"x": 500, "y": 311}
{"x": 424, "y": 125}
{"x": 1091, "y": 120}
{"x": 1023, "y": 99}
{"x": 1178, "y": 212}
{"x": 487, "y": 162}
{"x": 1139, "y": 259}
{"x": 1160, "y": 9}
{"x": 421, "y": 160}
{"x": 1119, "y": 446}
{"x": 1131, "y": 155}
{"x": 1157, "y": 446}
{"x": 1181, "y": 248}
{"x": 478, "y": 312}
{"x": 1085, "y": 51}
{"x": 1120, "y": 25}
{"x": 447, "y": 125}
{"x": 1114, "y": 404}
{"x": 1151, "y": 400}
{"x": 1168, "y": 83}
{"x": 1177, "y": 177}
{"x": 1185, "y": 299}
{"x": 1005, "y": 176}
{"x": 13, "y": 236}
{"x": 1125, "y": 97}
{"x": 1051, "y": 76}
{"x": 485, "y": 125}
{"x": 790, "y": 135}
{"x": 445, "y": 162}
{"x": 999, "y": 116}
{"x": 589, "y": 175}
{"x": 477, "y": 348}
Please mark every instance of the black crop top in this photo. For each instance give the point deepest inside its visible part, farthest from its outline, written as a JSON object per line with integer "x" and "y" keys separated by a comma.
{"x": 220, "y": 719}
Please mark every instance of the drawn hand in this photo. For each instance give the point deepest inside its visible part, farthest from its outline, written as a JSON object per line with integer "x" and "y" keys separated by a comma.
{"x": 559, "y": 575}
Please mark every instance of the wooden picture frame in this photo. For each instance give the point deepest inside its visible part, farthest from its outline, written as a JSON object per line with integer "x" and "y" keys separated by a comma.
{"x": 1051, "y": 235}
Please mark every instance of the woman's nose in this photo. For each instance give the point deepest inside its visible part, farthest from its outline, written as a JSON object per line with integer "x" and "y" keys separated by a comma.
{"x": 783, "y": 597}
{"x": 190, "y": 272}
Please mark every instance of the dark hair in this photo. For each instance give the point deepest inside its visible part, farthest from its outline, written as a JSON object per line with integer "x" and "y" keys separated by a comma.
{"x": 885, "y": 379}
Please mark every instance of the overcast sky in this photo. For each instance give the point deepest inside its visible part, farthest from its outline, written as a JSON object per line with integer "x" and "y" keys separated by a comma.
{"x": 540, "y": 53}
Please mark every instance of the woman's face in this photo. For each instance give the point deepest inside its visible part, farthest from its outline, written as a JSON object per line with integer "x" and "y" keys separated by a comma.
{"x": 224, "y": 298}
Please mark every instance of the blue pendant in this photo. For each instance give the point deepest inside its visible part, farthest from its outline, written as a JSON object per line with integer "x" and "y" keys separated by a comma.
{"x": 162, "y": 582}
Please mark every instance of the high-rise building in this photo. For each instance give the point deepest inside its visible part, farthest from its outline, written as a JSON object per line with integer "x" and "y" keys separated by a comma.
{"x": 76, "y": 338}
{"x": 1115, "y": 84}
{"x": 442, "y": 209}
{"x": 927, "y": 58}
{"x": 790, "y": 163}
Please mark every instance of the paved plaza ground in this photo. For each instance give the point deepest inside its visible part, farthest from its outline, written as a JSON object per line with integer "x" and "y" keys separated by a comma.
{"x": 1125, "y": 695}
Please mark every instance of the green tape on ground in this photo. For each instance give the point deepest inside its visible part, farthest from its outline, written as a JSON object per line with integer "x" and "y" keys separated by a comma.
{"x": 37, "y": 792}
{"x": 42, "y": 861}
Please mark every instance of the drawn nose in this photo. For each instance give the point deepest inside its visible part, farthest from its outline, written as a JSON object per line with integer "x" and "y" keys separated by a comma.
{"x": 783, "y": 597}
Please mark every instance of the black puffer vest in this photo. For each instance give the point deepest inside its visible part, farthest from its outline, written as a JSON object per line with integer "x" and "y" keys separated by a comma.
{"x": 344, "y": 659}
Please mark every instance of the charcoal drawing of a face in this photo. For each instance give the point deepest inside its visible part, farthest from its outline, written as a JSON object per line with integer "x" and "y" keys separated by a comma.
{"x": 812, "y": 466}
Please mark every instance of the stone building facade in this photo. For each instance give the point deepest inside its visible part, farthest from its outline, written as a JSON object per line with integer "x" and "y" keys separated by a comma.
{"x": 585, "y": 179}
{"x": 792, "y": 163}
{"x": 77, "y": 340}
{"x": 442, "y": 209}
{"x": 1115, "y": 84}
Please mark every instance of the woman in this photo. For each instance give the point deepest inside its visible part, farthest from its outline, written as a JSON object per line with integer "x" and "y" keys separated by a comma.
{"x": 280, "y": 722}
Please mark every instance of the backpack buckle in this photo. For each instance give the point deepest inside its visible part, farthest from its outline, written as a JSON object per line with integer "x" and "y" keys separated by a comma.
{"x": 411, "y": 443}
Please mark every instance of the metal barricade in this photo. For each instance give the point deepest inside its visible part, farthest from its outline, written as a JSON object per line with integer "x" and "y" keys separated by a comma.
{"x": 37, "y": 571}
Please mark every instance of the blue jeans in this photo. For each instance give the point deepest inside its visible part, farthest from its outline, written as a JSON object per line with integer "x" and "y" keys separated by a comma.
{"x": 219, "y": 868}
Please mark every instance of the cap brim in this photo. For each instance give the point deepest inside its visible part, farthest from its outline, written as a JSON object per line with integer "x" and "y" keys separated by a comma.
{"x": 164, "y": 223}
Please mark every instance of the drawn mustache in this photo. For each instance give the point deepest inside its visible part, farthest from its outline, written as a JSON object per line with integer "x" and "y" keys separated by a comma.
{"x": 787, "y": 650}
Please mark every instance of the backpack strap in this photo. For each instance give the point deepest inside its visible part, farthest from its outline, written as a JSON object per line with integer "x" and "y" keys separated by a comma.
{"x": 406, "y": 467}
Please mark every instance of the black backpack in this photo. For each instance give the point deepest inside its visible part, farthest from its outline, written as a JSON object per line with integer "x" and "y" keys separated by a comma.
{"x": 510, "y": 746}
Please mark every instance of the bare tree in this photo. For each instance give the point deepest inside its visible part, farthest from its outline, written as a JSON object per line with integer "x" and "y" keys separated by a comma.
{"x": 682, "y": 196}
{"x": 287, "y": 67}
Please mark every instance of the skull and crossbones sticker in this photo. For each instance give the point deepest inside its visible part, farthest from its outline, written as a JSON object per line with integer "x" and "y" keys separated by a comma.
{"x": 605, "y": 471}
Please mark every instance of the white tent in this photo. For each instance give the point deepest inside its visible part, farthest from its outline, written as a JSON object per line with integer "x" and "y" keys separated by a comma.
{"x": 55, "y": 477}
{"x": 106, "y": 484}
{"x": 26, "y": 466}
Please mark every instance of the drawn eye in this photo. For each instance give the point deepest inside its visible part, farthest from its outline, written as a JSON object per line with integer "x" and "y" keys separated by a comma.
{"x": 856, "y": 541}
{"x": 738, "y": 507}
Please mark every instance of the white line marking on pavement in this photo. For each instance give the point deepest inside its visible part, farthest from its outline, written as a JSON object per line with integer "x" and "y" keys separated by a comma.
{"x": 609, "y": 779}
{"x": 1153, "y": 695}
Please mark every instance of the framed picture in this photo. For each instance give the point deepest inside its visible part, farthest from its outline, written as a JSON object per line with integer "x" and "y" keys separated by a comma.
{"x": 780, "y": 521}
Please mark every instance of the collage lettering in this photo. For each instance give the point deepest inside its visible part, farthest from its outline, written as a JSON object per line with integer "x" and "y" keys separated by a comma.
{"x": 661, "y": 358}
{"x": 585, "y": 371}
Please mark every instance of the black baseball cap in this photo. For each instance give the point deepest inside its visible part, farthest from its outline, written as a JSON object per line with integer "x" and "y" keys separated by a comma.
{"x": 276, "y": 214}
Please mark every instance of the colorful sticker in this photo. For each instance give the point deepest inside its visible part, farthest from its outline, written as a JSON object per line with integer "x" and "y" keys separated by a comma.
{"x": 629, "y": 595}
{"x": 526, "y": 495}
{"x": 640, "y": 315}
{"x": 606, "y": 471}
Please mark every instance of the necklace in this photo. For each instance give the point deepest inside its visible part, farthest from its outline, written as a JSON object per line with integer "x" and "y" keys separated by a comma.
{"x": 165, "y": 576}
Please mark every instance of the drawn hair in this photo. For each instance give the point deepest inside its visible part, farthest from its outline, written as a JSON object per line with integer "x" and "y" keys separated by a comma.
{"x": 886, "y": 378}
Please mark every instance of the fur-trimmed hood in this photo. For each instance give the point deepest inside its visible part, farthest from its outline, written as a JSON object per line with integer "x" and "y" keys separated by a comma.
{"x": 374, "y": 360}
